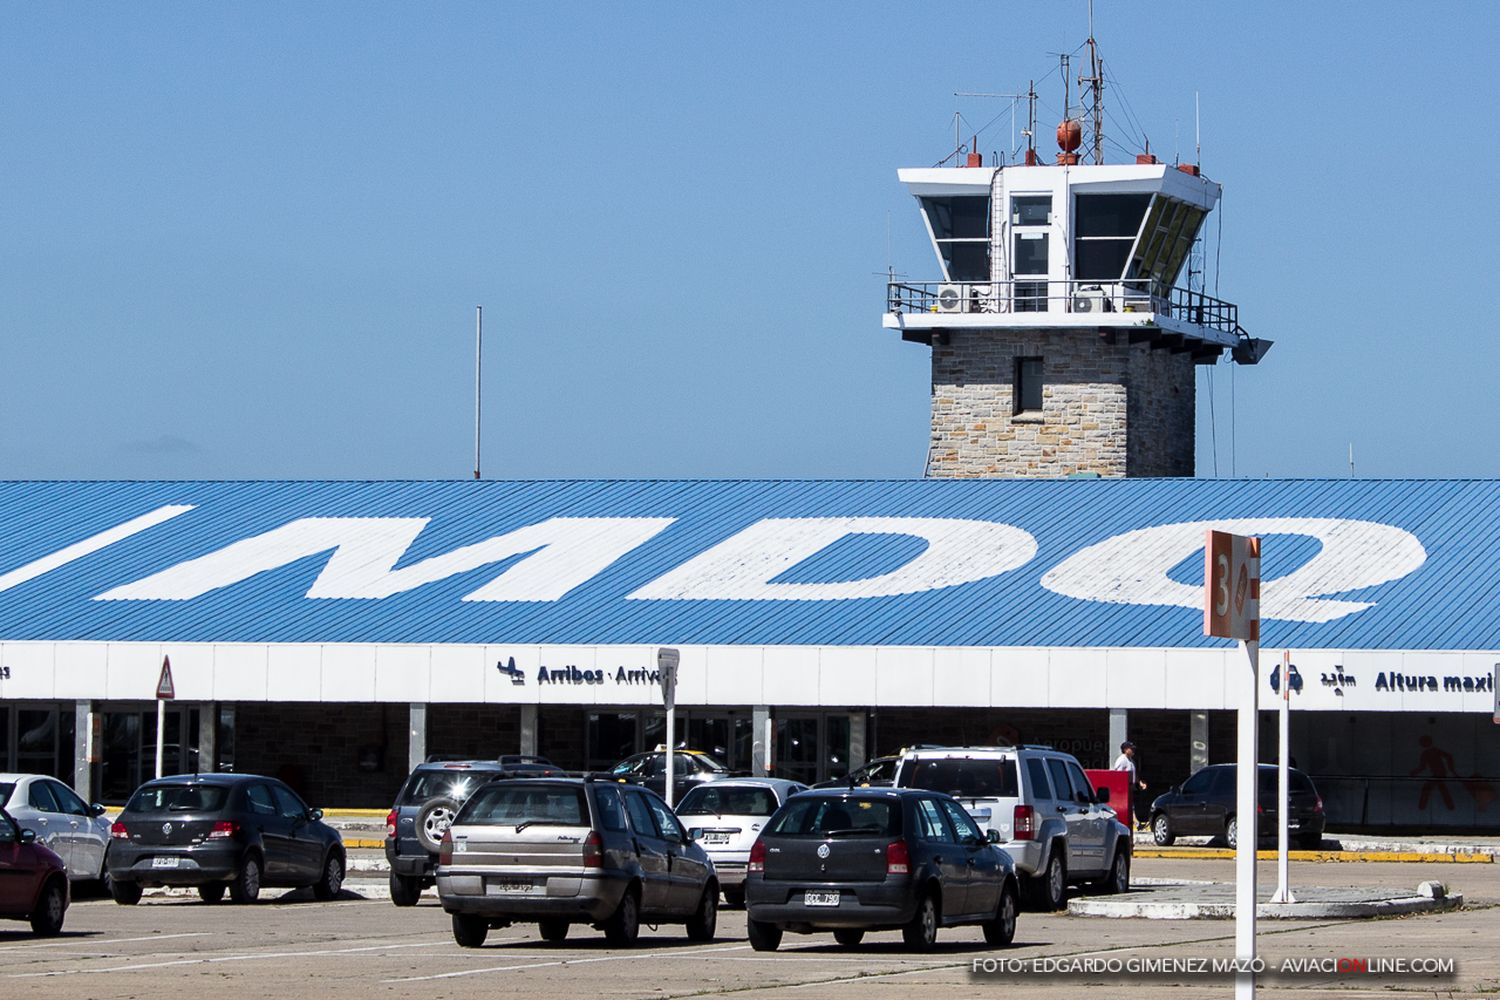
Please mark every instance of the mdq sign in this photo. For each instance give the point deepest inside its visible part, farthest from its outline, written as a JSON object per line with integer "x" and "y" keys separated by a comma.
{"x": 366, "y": 559}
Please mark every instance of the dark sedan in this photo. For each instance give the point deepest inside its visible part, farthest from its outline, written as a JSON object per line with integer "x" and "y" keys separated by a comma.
{"x": 1204, "y": 805}
{"x": 33, "y": 882}
{"x": 238, "y": 832}
{"x": 690, "y": 768}
{"x": 867, "y": 859}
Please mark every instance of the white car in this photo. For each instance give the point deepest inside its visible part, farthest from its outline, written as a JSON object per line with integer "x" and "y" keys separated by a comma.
{"x": 726, "y": 816}
{"x": 77, "y": 832}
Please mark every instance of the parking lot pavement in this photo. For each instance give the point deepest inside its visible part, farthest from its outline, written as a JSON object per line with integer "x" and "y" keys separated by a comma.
{"x": 291, "y": 946}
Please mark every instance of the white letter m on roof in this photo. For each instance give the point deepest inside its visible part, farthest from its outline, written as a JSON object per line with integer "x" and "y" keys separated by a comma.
{"x": 560, "y": 554}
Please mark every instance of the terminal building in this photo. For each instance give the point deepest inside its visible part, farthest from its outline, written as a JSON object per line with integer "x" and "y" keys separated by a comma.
{"x": 1043, "y": 582}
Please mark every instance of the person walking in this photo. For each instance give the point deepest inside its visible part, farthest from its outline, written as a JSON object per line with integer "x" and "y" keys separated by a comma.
{"x": 1126, "y": 762}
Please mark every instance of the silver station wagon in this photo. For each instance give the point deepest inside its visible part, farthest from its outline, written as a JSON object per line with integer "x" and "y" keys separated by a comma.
{"x": 564, "y": 851}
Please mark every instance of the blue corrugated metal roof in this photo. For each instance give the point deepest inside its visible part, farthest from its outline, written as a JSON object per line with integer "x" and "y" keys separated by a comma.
{"x": 1447, "y": 600}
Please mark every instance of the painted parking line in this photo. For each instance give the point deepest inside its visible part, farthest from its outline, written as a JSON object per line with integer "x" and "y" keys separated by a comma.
{"x": 567, "y": 961}
{"x": 216, "y": 959}
{"x": 96, "y": 942}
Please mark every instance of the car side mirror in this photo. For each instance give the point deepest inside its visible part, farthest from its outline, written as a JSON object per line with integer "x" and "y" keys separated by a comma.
{"x": 28, "y": 836}
{"x": 315, "y": 814}
{"x": 1175, "y": 789}
{"x": 97, "y": 809}
{"x": 992, "y": 836}
{"x": 1101, "y": 796}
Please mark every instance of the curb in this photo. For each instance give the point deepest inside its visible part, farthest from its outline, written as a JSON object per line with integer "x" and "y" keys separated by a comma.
{"x": 1186, "y": 910}
{"x": 1224, "y": 853}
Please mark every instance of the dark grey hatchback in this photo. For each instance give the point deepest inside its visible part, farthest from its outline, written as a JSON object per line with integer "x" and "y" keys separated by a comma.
{"x": 221, "y": 831}
{"x": 865, "y": 859}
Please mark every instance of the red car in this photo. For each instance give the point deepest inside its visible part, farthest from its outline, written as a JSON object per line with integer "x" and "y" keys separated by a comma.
{"x": 33, "y": 881}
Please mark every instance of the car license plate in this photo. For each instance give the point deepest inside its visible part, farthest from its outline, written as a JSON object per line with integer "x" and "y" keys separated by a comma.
{"x": 821, "y": 898}
{"x": 717, "y": 837}
{"x": 160, "y": 862}
{"x": 512, "y": 889}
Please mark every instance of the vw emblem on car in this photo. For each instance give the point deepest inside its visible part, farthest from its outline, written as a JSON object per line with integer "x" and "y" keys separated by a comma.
{"x": 823, "y": 851}
{"x": 166, "y": 829}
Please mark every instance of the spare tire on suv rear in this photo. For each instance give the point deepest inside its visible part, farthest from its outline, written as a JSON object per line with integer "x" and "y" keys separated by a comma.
{"x": 433, "y": 820}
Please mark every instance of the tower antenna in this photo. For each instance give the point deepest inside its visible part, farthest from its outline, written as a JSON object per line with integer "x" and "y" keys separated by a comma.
{"x": 1096, "y": 86}
{"x": 1031, "y": 123}
{"x": 1197, "y": 132}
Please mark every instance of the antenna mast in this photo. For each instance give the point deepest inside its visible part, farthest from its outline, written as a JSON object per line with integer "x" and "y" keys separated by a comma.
{"x": 1031, "y": 123}
{"x": 1096, "y": 86}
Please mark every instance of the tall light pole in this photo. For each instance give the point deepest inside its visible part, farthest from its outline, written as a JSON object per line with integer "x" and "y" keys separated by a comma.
{"x": 478, "y": 362}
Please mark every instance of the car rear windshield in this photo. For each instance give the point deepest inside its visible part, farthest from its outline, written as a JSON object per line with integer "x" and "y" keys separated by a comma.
{"x": 511, "y": 804}
{"x": 178, "y": 798}
{"x": 716, "y": 800}
{"x": 964, "y": 779}
{"x": 455, "y": 784}
{"x": 825, "y": 816}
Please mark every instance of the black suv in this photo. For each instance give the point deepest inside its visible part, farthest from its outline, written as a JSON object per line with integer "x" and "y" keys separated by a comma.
{"x": 426, "y": 805}
{"x": 1204, "y": 806}
{"x": 875, "y": 859}
{"x": 221, "y": 831}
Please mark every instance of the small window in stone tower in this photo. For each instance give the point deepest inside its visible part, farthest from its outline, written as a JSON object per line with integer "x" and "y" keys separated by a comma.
{"x": 1028, "y": 386}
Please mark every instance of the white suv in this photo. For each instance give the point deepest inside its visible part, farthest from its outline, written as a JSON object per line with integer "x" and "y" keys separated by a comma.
{"x": 1051, "y": 821}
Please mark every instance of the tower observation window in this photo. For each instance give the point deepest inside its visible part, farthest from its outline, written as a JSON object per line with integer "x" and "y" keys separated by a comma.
{"x": 961, "y": 230}
{"x": 1105, "y": 229}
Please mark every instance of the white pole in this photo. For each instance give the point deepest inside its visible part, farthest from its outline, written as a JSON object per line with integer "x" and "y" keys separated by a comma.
{"x": 671, "y": 752}
{"x": 161, "y": 732}
{"x": 1246, "y": 828}
{"x": 1283, "y": 783}
{"x": 478, "y": 358}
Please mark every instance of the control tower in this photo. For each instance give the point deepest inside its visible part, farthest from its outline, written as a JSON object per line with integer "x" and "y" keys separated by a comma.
{"x": 1062, "y": 344}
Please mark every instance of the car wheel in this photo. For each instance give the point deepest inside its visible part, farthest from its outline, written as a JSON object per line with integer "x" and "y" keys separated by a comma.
{"x": 624, "y": 925}
{"x": 849, "y": 937}
{"x": 701, "y": 925}
{"x": 1161, "y": 831}
{"x": 1232, "y": 833}
{"x": 47, "y": 918}
{"x": 470, "y": 931}
{"x": 554, "y": 931}
{"x": 211, "y": 892}
{"x": 734, "y": 897}
{"x": 433, "y": 820}
{"x": 920, "y": 934}
{"x": 405, "y": 889}
{"x": 1118, "y": 878}
{"x": 1001, "y": 930}
{"x": 245, "y": 887}
{"x": 332, "y": 881}
{"x": 125, "y": 893}
{"x": 763, "y": 936}
{"x": 1049, "y": 890}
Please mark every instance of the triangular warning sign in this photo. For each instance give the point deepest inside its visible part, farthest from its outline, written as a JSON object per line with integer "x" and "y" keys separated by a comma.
{"x": 164, "y": 686}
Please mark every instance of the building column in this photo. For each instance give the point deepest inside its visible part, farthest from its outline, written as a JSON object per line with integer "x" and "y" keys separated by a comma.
{"x": 1197, "y": 742}
{"x": 528, "y": 729}
{"x": 416, "y": 740}
{"x": 208, "y": 736}
{"x": 858, "y": 753}
{"x": 1119, "y": 731}
{"x": 84, "y": 750}
{"x": 762, "y": 747}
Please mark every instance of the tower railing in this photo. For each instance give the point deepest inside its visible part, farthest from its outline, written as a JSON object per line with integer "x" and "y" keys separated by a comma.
{"x": 1043, "y": 295}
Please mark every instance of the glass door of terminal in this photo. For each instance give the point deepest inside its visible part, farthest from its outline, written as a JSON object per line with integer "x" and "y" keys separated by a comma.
{"x": 812, "y": 746}
{"x": 130, "y": 747}
{"x": 37, "y": 738}
{"x": 724, "y": 734}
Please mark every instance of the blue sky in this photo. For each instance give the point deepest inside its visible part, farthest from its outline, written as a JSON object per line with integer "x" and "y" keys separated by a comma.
{"x": 246, "y": 240}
